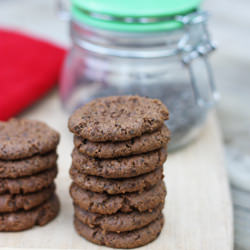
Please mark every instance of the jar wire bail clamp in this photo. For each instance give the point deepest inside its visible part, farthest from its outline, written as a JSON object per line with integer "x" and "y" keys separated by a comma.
{"x": 203, "y": 49}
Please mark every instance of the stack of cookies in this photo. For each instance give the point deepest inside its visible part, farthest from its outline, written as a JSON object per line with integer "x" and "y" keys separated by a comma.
{"x": 117, "y": 170}
{"x": 27, "y": 171}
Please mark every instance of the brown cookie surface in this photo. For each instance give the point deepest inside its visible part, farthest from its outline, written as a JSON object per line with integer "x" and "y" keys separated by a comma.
{"x": 28, "y": 184}
{"x": 23, "y": 138}
{"x": 117, "y": 118}
{"x": 130, "y": 239}
{"x": 27, "y": 166}
{"x": 138, "y": 145}
{"x": 12, "y": 203}
{"x": 119, "y": 222}
{"x": 116, "y": 186}
{"x": 121, "y": 167}
{"x": 125, "y": 203}
{"x": 41, "y": 215}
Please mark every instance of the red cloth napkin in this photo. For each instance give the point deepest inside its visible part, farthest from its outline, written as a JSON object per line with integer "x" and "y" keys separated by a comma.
{"x": 29, "y": 67}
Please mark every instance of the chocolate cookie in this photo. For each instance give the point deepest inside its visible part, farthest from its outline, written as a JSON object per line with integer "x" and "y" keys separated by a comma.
{"x": 116, "y": 186}
{"x": 28, "y": 184}
{"x": 118, "y": 118}
{"x": 119, "y": 222}
{"x": 23, "y": 138}
{"x": 119, "y": 168}
{"x": 27, "y": 166}
{"x": 12, "y": 203}
{"x": 138, "y": 145}
{"x": 41, "y": 215}
{"x": 130, "y": 239}
{"x": 125, "y": 203}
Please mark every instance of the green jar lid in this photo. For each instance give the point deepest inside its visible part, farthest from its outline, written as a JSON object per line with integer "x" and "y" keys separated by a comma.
{"x": 128, "y": 15}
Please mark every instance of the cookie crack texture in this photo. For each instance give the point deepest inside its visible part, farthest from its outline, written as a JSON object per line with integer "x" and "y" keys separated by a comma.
{"x": 21, "y": 220}
{"x": 12, "y": 203}
{"x": 27, "y": 166}
{"x": 119, "y": 168}
{"x": 21, "y": 138}
{"x": 116, "y": 186}
{"x": 129, "y": 239}
{"x": 145, "y": 143}
{"x": 118, "y": 222}
{"x": 28, "y": 184}
{"x": 117, "y": 118}
{"x": 106, "y": 204}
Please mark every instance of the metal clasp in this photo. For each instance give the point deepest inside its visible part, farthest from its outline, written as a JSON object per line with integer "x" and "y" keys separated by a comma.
{"x": 202, "y": 50}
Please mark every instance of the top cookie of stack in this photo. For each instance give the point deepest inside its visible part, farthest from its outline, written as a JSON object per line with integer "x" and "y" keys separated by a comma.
{"x": 28, "y": 167}
{"x": 119, "y": 126}
{"x": 24, "y": 138}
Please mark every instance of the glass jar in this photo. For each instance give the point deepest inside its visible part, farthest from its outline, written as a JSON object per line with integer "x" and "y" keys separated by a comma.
{"x": 170, "y": 65}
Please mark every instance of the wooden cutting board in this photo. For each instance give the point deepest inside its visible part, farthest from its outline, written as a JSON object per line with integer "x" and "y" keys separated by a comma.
{"x": 198, "y": 211}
